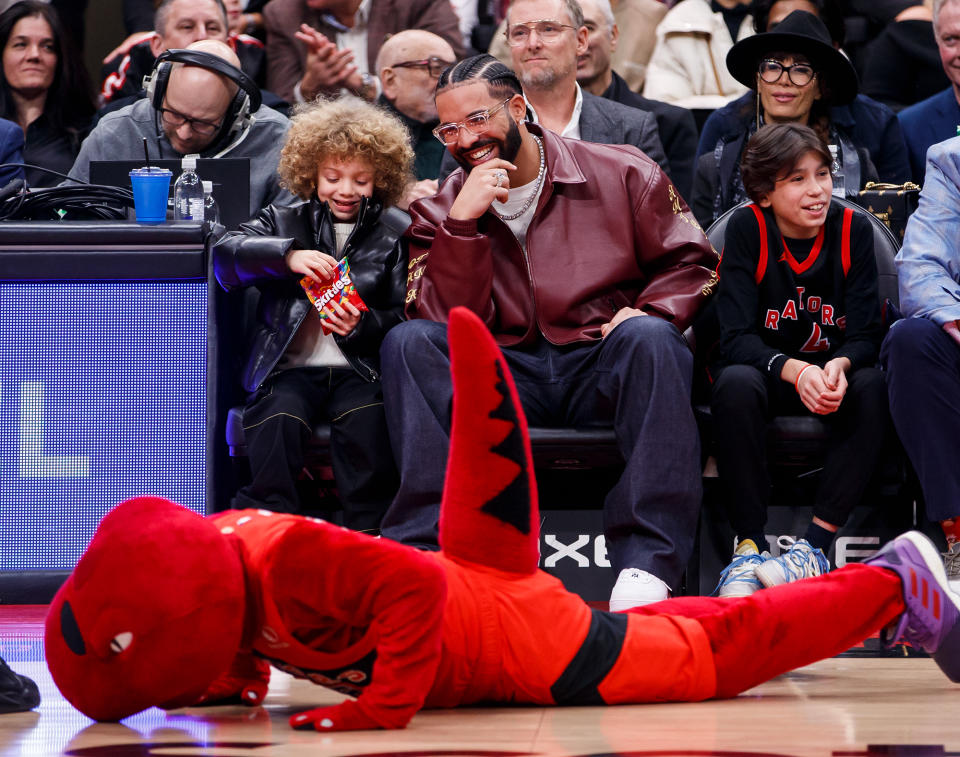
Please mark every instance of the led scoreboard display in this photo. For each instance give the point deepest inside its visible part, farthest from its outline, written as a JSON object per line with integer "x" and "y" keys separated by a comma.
{"x": 103, "y": 382}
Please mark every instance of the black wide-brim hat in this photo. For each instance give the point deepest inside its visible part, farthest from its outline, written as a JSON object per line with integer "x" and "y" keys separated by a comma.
{"x": 804, "y": 34}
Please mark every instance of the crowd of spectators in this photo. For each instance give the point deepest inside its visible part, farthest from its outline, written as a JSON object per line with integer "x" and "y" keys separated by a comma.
{"x": 552, "y": 148}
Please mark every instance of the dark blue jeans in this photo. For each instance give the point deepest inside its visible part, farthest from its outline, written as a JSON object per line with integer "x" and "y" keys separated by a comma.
{"x": 637, "y": 380}
{"x": 923, "y": 381}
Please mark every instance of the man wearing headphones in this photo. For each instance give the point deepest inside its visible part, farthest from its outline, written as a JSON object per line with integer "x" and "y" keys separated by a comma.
{"x": 198, "y": 101}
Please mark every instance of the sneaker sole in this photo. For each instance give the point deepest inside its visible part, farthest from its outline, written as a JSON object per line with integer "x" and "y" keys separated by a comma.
{"x": 738, "y": 594}
{"x": 623, "y": 605}
{"x": 769, "y": 575}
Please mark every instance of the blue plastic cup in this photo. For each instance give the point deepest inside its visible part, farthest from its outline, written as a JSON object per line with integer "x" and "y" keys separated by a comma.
{"x": 151, "y": 185}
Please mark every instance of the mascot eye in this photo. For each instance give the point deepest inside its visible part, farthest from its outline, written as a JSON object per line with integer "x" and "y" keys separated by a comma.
{"x": 120, "y": 642}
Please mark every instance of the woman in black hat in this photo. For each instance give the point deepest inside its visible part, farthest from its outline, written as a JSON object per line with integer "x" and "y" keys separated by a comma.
{"x": 796, "y": 75}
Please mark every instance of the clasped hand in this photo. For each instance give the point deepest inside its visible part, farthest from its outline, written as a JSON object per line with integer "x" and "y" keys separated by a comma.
{"x": 319, "y": 266}
{"x": 822, "y": 389}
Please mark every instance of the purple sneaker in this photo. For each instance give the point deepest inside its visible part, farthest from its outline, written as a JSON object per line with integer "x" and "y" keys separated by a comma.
{"x": 932, "y": 618}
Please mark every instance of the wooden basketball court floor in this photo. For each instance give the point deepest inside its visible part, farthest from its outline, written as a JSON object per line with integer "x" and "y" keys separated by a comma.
{"x": 847, "y": 706}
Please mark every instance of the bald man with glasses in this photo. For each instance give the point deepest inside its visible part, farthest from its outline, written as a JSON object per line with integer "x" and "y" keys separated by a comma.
{"x": 192, "y": 119}
{"x": 408, "y": 65}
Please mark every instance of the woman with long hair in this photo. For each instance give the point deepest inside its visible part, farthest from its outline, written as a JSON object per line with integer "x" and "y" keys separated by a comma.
{"x": 44, "y": 88}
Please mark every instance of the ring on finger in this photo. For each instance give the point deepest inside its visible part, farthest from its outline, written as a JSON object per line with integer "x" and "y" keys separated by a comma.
{"x": 499, "y": 175}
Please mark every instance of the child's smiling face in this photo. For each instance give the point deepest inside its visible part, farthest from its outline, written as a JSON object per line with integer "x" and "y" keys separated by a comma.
{"x": 800, "y": 199}
{"x": 341, "y": 184}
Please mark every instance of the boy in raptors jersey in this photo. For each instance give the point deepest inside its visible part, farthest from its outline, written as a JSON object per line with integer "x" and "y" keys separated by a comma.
{"x": 169, "y": 608}
{"x": 800, "y": 332}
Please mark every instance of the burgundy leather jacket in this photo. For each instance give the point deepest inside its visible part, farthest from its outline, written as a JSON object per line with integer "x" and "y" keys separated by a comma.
{"x": 610, "y": 231}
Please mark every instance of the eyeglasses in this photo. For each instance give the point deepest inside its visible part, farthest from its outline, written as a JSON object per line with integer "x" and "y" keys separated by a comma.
{"x": 176, "y": 120}
{"x": 547, "y": 31}
{"x": 433, "y": 64}
{"x": 800, "y": 74}
{"x": 475, "y": 124}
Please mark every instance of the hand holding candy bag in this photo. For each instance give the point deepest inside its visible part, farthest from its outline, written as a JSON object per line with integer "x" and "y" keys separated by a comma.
{"x": 338, "y": 289}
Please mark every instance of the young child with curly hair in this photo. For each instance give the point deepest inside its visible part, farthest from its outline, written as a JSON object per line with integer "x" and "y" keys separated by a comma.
{"x": 800, "y": 332}
{"x": 349, "y": 162}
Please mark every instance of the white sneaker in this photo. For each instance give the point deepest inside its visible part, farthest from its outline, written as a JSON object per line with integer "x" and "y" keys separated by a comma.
{"x": 636, "y": 587}
{"x": 799, "y": 561}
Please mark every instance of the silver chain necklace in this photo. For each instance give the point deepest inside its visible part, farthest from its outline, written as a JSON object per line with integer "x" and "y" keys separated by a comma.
{"x": 536, "y": 189}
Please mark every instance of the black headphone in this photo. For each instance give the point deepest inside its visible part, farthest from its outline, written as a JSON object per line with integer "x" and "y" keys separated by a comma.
{"x": 246, "y": 102}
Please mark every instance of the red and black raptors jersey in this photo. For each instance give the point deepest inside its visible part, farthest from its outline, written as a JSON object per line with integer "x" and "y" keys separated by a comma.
{"x": 810, "y": 299}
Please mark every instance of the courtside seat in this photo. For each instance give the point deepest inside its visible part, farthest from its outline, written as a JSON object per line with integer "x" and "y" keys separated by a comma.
{"x": 555, "y": 448}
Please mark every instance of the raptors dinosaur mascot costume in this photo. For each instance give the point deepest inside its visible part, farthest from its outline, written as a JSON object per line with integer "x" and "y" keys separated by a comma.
{"x": 169, "y": 608}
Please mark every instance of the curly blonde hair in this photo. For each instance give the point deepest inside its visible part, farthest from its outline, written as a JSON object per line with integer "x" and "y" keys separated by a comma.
{"x": 347, "y": 128}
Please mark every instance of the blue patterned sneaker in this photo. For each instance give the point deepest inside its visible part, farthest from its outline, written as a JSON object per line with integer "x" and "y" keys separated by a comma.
{"x": 738, "y": 578}
{"x": 932, "y": 618}
{"x": 799, "y": 561}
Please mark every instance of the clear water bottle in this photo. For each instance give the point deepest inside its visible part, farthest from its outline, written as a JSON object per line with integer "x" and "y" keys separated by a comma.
{"x": 188, "y": 192}
{"x": 211, "y": 212}
{"x": 836, "y": 172}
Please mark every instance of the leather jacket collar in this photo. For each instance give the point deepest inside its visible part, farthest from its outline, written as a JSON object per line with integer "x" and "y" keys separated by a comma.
{"x": 323, "y": 221}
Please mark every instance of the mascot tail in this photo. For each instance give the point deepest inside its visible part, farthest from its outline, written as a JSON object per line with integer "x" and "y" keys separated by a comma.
{"x": 489, "y": 513}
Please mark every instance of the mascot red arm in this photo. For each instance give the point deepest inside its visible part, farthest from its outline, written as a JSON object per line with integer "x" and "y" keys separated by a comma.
{"x": 346, "y": 580}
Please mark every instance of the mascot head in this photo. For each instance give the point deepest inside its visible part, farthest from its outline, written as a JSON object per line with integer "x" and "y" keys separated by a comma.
{"x": 151, "y": 615}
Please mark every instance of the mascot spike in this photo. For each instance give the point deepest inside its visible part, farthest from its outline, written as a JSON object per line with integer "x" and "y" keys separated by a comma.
{"x": 489, "y": 513}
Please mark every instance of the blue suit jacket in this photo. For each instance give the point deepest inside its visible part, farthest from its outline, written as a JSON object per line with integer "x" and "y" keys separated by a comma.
{"x": 926, "y": 123}
{"x": 11, "y": 150}
{"x": 928, "y": 266}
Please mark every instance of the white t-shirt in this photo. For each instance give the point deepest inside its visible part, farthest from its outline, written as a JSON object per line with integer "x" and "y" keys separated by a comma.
{"x": 517, "y": 197}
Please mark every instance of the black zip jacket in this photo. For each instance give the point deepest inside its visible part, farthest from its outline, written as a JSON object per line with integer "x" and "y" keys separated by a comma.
{"x": 255, "y": 255}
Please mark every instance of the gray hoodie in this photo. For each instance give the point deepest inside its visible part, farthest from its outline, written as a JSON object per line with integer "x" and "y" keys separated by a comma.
{"x": 119, "y": 136}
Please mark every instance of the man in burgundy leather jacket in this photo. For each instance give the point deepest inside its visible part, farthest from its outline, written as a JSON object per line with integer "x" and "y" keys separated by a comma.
{"x": 586, "y": 265}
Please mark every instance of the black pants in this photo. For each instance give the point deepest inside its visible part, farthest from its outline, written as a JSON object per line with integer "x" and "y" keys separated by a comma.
{"x": 279, "y": 421}
{"x": 744, "y": 400}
